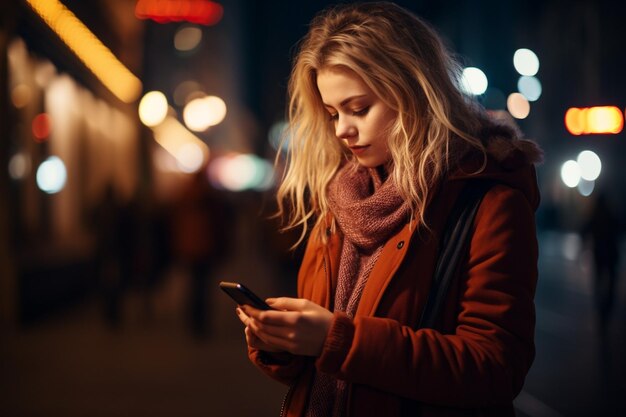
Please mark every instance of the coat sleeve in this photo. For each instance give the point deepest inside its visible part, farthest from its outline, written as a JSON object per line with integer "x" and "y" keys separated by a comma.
{"x": 282, "y": 367}
{"x": 485, "y": 360}
{"x": 285, "y": 367}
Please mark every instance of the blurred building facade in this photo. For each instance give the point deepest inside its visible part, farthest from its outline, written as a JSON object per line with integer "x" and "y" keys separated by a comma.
{"x": 55, "y": 106}
{"x": 63, "y": 116}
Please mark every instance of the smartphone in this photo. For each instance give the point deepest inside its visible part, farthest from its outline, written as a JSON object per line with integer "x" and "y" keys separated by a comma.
{"x": 242, "y": 295}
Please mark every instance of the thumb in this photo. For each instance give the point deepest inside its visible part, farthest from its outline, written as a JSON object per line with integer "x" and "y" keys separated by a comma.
{"x": 287, "y": 303}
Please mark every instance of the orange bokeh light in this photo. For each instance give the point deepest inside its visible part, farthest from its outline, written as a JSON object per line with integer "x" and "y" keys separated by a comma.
{"x": 594, "y": 120}
{"x": 41, "y": 127}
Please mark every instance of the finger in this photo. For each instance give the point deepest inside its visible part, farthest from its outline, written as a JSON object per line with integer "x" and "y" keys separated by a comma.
{"x": 256, "y": 343}
{"x": 252, "y": 340}
{"x": 249, "y": 310}
{"x": 283, "y": 332}
{"x": 277, "y": 343}
{"x": 287, "y": 303}
{"x": 257, "y": 339}
{"x": 242, "y": 316}
{"x": 273, "y": 317}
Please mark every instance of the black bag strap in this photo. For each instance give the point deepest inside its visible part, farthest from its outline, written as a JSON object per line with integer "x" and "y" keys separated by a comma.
{"x": 455, "y": 238}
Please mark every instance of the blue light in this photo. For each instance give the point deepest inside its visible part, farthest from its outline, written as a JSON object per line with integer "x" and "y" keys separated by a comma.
{"x": 530, "y": 87}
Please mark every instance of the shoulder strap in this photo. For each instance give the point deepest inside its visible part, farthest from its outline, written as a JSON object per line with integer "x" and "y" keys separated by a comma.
{"x": 455, "y": 238}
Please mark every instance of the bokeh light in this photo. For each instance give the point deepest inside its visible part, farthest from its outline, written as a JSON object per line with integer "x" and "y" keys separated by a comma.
{"x": 585, "y": 188}
{"x": 474, "y": 81}
{"x": 153, "y": 108}
{"x": 21, "y": 95}
{"x": 19, "y": 166}
{"x": 276, "y": 136}
{"x": 187, "y": 38}
{"x": 51, "y": 175}
{"x": 175, "y": 139}
{"x": 590, "y": 165}
{"x": 201, "y": 113}
{"x": 605, "y": 119}
{"x": 184, "y": 91}
{"x": 575, "y": 121}
{"x": 204, "y": 12}
{"x": 594, "y": 120}
{"x": 572, "y": 245}
{"x": 518, "y": 106}
{"x": 189, "y": 157}
{"x": 41, "y": 126}
{"x": 45, "y": 71}
{"x": 239, "y": 172}
{"x": 570, "y": 173}
{"x": 526, "y": 62}
{"x": 530, "y": 87}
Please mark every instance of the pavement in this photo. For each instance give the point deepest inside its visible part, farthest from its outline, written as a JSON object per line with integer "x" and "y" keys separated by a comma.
{"x": 152, "y": 365}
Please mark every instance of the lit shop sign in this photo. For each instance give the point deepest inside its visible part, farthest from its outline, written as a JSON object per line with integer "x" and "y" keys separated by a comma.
{"x": 202, "y": 12}
{"x": 594, "y": 120}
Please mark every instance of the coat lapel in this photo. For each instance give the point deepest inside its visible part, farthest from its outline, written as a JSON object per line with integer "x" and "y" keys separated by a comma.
{"x": 388, "y": 262}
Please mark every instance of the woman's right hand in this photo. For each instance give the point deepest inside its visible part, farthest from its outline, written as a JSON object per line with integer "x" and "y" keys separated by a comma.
{"x": 252, "y": 339}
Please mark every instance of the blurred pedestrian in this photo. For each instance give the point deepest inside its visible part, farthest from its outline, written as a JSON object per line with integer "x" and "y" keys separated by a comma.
{"x": 601, "y": 230}
{"x": 107, "y": 222}
{"x": 383, "y": 143}
{"x": 198, "y": 230}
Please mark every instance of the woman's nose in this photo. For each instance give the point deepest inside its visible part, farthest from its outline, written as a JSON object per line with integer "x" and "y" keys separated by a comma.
{"x": 344, "y": 129}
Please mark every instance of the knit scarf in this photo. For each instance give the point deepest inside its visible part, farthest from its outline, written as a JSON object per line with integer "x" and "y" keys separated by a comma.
{"x": 368, "y": 212}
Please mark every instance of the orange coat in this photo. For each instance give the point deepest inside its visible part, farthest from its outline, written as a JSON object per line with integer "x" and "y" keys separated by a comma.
{"x": 475, "y": 363}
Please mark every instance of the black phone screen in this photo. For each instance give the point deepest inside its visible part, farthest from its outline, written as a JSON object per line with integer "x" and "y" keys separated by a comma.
{"x": 243, "y": 296}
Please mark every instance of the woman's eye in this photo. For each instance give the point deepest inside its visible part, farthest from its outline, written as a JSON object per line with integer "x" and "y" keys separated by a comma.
{"x": 334, "y": 117}
{"x": 361, "y": 112}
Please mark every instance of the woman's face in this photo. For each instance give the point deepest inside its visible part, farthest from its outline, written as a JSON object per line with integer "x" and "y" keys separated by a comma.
{"x": 360, "y": 118}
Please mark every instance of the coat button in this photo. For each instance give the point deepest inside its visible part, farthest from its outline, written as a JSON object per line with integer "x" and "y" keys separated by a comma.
{"x": 400, "y": 244}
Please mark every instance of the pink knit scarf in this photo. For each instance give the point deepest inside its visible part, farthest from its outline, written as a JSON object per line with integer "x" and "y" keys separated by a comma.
{"x": 368, "y": 212}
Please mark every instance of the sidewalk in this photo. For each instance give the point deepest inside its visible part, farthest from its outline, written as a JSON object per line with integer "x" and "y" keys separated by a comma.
{"x": 74, "y": 365}
{"x": 576, "y": 372}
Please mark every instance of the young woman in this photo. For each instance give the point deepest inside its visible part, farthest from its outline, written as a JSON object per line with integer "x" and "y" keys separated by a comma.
{"x": 382, "y": 142}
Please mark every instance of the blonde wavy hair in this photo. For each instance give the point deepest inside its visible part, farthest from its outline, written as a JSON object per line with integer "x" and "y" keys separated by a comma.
{"x": 405, "y": 63}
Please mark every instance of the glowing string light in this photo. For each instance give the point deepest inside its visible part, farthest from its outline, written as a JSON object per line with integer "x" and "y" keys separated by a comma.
{"x": 89, "y": 49}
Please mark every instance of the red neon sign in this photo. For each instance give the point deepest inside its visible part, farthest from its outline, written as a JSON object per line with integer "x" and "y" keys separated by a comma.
{"x": 202, "y": 12}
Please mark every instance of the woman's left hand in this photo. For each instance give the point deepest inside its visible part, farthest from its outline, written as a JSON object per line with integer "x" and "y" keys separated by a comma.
{"x": 297, "y": 325}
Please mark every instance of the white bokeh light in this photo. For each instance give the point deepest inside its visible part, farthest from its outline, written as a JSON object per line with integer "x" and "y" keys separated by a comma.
{"x": 474, "y": 81}
{"x": 189, "y": 157}
{"x": 526, "y": 62}
{"x": 201, "y": 113}
{"x": 51, "y": 175}
{"x": 570, "y": 173}
{"x": 153, "y": 108}
{"x": 590, "y": 165}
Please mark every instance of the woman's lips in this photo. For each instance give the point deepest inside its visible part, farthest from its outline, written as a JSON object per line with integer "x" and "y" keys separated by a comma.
{"x": 358, "y": 149}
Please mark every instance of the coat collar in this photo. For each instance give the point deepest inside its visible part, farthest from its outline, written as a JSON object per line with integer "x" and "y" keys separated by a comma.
{"x": 394, "y": 250}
